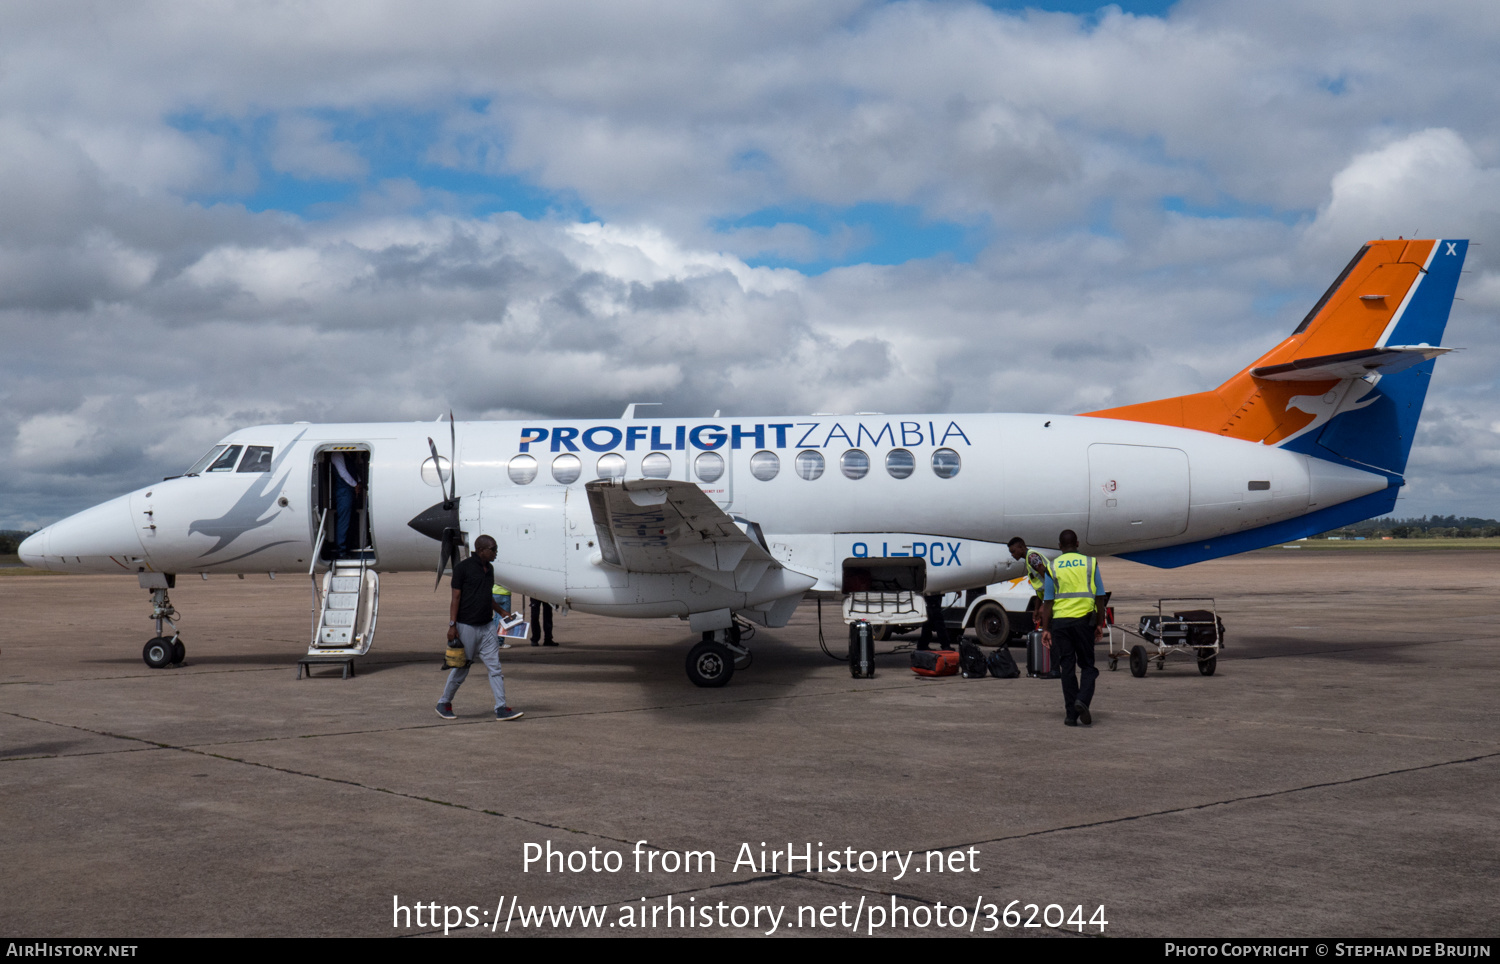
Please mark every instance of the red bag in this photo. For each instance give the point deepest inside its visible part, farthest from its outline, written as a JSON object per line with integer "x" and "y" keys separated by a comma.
{"x": 935, "y": 662}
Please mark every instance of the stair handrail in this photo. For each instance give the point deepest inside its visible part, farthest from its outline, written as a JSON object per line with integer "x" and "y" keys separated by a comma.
{"x": 312, "y": 573}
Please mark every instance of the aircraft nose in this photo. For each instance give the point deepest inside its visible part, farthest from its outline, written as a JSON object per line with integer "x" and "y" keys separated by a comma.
{"x": 33, "y": 548}
{"x": 86, "y": 541}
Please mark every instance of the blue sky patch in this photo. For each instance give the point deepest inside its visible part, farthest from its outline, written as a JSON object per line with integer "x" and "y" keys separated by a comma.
{"x": 1140, "y": 8}
{"x": 869, "y": 233}
{"x": 385, "y": 146}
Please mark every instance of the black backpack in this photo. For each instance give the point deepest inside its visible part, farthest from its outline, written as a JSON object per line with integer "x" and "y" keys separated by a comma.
{"x": 971, "y": 661}
{"x": 1003, "y": 665}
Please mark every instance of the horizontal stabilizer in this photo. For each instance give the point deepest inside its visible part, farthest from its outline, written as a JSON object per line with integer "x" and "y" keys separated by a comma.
{"x": 1349, "y": 364}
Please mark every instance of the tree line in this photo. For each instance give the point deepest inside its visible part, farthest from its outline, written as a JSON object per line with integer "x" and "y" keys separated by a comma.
{"x": 10, "y": 541}
{"x": 1427, "y": 527}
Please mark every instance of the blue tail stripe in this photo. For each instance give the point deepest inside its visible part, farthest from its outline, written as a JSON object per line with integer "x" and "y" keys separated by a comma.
{"x": 1345, "y": 513}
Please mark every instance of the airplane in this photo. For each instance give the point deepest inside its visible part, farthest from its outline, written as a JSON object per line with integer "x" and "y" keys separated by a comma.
{"x": 731, "y": 521}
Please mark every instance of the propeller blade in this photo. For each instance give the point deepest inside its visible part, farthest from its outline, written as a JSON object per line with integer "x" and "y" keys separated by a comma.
{"x": 452, "y": 459}
{"x": 445, "y": 555}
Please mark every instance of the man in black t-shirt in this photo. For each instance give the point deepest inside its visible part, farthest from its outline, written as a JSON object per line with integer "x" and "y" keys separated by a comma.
{"x": 470, "y": 622}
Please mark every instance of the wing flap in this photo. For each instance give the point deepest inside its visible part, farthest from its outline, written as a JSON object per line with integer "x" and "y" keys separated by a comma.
{"x": 671, "y": 526}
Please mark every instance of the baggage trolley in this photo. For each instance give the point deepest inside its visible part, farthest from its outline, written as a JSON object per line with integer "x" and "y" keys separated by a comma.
{"x": 1196, "y": 632}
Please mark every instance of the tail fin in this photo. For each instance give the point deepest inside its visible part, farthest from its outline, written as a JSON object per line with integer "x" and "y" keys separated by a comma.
{"x": 1349, "y": 383}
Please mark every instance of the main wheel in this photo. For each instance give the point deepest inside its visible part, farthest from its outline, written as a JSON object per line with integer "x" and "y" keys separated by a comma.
{"x": 158, "y": 653}
{"x": 992, "y": 625}
{"x": 710, "y": 664}
{"x": 1207, "y": 664}
{"x": 179, "y": 652}
{"x": 885, "y": 632}
{"x": 1137, "y": 661}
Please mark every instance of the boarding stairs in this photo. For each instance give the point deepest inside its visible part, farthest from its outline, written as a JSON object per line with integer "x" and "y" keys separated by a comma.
{"x": 345, "y": 608}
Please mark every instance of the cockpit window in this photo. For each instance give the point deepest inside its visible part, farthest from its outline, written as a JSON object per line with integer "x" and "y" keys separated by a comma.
{"x": 225, "y": 462}
{"x": 257, "y": 459}
{"x": 204, "y": 462}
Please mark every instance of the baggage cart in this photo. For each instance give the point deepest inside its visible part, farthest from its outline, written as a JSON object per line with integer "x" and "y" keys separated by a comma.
{"x": 1186, "y": 630}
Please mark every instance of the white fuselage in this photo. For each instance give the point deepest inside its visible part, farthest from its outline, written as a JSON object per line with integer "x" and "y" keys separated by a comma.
{"x": 1122, "y": 486}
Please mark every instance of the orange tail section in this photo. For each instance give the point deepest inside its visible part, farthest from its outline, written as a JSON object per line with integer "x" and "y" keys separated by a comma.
{"x": 1354, "y": 315}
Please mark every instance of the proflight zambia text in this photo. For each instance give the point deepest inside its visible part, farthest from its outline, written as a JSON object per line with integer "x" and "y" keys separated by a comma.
{"x": 761, "y": 435}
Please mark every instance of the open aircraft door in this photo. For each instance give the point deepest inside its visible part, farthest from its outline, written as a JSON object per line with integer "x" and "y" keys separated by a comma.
{"x": 1136, "y": 492}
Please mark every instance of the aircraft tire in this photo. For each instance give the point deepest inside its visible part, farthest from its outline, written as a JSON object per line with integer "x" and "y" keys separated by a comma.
{"x": 1138, "y": 661}
{"x": 710, "y": 664}
{"x": 992, "y": 625}
{"x": 179, "y": 652}
{"x": 158, "y": 652}
{"x": 1207, "y": 664}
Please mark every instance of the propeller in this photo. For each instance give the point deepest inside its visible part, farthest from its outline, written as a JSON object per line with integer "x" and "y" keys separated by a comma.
{"x": 440, "y": 521}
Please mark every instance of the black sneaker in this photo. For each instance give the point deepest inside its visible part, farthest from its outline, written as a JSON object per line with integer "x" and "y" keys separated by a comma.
{"x": 549, "y": 643}
{"x": 1082, "y": 710}
{"x": 445, "y": 710}
{"x": 506, "y": 713}
{"x": 1070, "y": 721}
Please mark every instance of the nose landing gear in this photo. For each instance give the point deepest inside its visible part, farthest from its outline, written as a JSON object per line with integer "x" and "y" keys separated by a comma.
{"x": 161, "y": 650}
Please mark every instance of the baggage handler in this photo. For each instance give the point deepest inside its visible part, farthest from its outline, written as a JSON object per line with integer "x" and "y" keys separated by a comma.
{"x": 1036, "y": 574}
{"x": 469, "y": 621}
{"x": 935, "y": 624}
{"x": 1072, "y": 622}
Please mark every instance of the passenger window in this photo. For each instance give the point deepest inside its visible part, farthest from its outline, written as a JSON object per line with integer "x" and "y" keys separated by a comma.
{"x": 854, "y": 464}
{"x": 522, "y": 469}
{"x": 566, "y": 469}
{"x": 945, "y": 463}
{"x": 657, "y": 465}
{"x": 257, "y": 459}
{"x": 611, "y": 466}
{"x": 204, "y": 462}
{"x": 809, "y": 464}
{"x": 709, "y": 466}
{"x": 900, "y": 463}
{"x": 765, "y": 465}
{"x": 225, "y": 462}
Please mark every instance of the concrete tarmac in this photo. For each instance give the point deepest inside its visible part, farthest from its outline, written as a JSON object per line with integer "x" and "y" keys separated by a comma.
{"x": 1336, "y": 777}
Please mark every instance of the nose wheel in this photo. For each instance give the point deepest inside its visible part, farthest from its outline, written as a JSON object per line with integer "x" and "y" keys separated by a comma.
{"x": 163, "y": 651}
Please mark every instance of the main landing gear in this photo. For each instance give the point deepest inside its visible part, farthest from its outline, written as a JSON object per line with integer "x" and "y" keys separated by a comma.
{"x": 162, "y": 651}
{"x": 712, "y": 662}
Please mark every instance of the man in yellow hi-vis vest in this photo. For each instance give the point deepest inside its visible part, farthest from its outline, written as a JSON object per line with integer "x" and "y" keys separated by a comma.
{"x": 1072, "y": 622}
{"x": 1036, "y": 573}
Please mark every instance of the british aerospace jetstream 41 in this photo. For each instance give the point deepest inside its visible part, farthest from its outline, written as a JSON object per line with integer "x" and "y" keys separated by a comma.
{"x": 723, "y": 521}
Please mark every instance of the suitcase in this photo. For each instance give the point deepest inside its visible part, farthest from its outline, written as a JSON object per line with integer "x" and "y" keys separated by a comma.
{"x": 1003, "y": 665}
{"x": 861, "y": 649}
{"x": 1039, "y": 658}
{"x": 971, "y": 661}
{"x": 934, "y": 662}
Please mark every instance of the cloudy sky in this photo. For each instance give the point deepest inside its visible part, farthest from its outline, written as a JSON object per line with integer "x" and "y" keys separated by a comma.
{"x": 221, "y": 214}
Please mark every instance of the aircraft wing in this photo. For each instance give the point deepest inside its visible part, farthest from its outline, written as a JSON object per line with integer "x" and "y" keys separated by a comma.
{"x": 669, "y": 526}
{"x": 1350, "y": 364}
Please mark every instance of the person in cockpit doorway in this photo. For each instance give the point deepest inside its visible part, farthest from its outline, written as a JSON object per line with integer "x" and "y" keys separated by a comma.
{"x": 347, "y": 491}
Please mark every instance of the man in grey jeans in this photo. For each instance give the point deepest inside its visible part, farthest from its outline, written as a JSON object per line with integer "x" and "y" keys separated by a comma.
{"x": 470, "y": 617}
